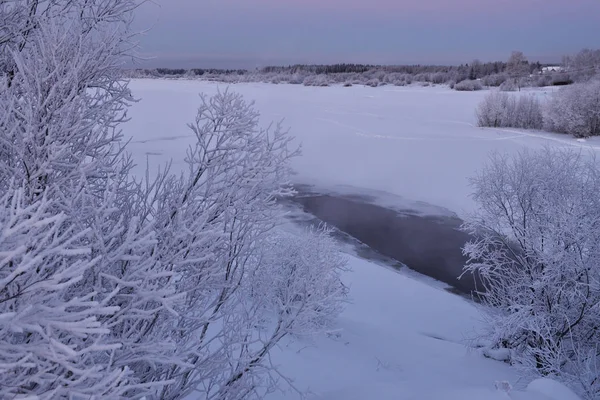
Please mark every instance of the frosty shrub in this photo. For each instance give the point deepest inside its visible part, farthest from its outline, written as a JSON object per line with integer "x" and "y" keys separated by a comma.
{"x": 517, "y": 69}
{"x": 296, "y": 79}
{"x": 439, "y": 78}
{"x": 217, "y": 226}
{"x": 501, "y": 110}
{"x": 584, "y": 65}
{"x": 537, "y": 250}
{"x": 575, "y": 110}
{"x": 69, "y": 227}
{"x": 509, "y": 85}
{"x": 561, "y": 79}
{"x": 115, "y": 288}
{"x": 316, "y": 80}
{"x": 468, "y": 86}
{"x": 285, "y": 263}
{"x": 544, "y": 80}
{"x": 277, "y": 79}
{"x": 494, "y": 80}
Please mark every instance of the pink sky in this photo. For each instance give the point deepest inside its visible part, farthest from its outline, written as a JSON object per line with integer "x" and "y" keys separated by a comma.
{"x": 370, "y": 31}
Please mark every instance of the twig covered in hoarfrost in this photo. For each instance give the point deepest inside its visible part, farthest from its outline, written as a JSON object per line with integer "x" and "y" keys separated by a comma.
{"x": 49, "y": 338}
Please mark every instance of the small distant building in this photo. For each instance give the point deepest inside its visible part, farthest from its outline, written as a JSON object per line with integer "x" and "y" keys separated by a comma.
{"x": 551, "y": 68}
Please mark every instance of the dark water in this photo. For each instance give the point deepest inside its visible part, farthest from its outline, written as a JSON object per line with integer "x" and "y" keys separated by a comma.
{"x": 430, "y": 245}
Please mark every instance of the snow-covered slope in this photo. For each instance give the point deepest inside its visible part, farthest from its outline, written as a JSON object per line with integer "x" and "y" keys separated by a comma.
{"x": 400, "y": 337}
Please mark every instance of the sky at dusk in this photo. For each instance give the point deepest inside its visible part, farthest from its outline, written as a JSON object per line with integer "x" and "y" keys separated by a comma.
{"x": 254, "y": 33}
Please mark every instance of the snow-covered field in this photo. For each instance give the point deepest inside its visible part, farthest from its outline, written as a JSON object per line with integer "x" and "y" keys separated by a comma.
{"x": 399, "y": 338}
{"x": 416, "y": 142}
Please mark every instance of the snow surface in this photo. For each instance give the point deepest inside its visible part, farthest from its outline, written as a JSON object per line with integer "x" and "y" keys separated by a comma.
{"x": 419, "y": 143}
{"x": 400, "y": 337}
{"x": 551, "y": 389}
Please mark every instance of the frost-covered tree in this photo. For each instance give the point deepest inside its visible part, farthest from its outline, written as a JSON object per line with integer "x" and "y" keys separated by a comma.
{"x": 517, "y": 68}
{"x": 575, "y": 110}
{"x": 475, "y": 69}
{"x": 537, "y": 251}
{"x": 583, "y": 65}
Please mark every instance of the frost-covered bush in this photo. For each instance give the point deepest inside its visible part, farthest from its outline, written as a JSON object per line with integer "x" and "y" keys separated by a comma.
{"x": 561, "y": 79}
{"x": 468, "y": 86}
{"x": 509, "y": 85}
{"x": 373, "y": 83}
{"x": 439, "y": 78}
{"x": 536, "y": 248}
{"x": 285, "y": 264}
{"x": 377, "y": 75}
{"x": 494, "y": 80}
{"x": 575, "y": 110}
{"x": 500, "y": 110}
{"x": 63, "y": 169}
{"x": 296, "y": 79}
{"x": 422, "y": 77}
{"x": 390, "y": 78}
{"x": 115, "y": 288}
{"x": 278, "y": 78}
{"x": 218, "y": 236}
{"x": 544, "y": 80}
{"x": 316, "y": 80}
{"x": 584, "y": 65}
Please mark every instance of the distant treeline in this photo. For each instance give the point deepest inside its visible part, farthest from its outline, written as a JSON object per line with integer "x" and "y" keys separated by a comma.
{"x": 477, "y": 69}
{"x": 517, "y": 72}
{"x": 474, "y": 71}
{"x": 195, "y": 71}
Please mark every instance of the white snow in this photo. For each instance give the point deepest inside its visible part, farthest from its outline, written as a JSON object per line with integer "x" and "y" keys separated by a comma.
{"x": 400, "y": 337}
{"x": 415, "y": 142}
{"x": 551, "y": 389}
